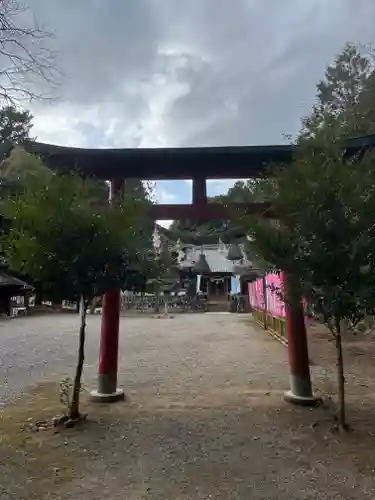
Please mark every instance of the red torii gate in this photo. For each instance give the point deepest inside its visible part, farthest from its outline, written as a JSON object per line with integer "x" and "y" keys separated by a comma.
{"x": 198, "y": 164}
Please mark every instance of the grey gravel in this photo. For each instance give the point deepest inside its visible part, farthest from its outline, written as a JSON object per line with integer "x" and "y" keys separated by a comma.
{"x": 205, "y": 418}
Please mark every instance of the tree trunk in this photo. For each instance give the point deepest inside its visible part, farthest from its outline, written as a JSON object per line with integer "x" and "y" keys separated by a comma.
{"x": 74, "y": 405}
{"x": 165, "y": 306}
{"x": 340, "y": 378}
{"x": 38, "y": 296}
{"x": 8, "y": 307}
{"x": 93, "y": 304}
{"x": 157, "y": 302}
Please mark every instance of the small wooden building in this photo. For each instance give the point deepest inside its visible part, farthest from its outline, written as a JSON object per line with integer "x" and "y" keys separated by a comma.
{"x": 13, "y": 294}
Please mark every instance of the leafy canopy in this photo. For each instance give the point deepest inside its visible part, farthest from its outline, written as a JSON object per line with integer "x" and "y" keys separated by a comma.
{"x": 344, "y": 95}
{"x": 15, "y": 124}
{"x": 22, "y": 170}
{"x": 326, "y": 235}
{"x": 61, "y": 236}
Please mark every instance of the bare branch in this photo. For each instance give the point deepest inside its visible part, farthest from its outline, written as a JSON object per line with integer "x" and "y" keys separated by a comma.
{"x": 27, "y": 62}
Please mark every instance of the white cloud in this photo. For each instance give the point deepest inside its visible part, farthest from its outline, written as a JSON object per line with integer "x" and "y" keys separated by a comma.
{"x": 165, "y": 197}
{"x": 172, "y": 73}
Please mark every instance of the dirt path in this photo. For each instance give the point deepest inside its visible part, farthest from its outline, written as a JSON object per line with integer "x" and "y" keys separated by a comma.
{"x": 205, "y": 419}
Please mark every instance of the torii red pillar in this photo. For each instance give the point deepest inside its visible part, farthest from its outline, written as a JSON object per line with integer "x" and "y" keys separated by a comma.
{"x": 300, "y": 392}
{"x": 107, "y": 391}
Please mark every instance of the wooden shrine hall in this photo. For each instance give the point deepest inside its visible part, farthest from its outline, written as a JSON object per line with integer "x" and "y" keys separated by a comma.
{"x": 198, "y": 164}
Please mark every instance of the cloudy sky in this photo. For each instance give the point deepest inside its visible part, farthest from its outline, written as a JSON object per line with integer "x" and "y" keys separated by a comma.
{"x": 153, "y": 73}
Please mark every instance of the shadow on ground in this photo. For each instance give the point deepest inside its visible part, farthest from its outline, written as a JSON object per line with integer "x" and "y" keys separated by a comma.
{"x": 223, "y": 444}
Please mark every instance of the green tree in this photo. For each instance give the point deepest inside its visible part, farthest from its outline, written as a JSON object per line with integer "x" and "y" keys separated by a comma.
{"x": 133, "y": 188}
{"x": 366, "y": 106}
{"x": 20, "y": 170}
{"x": 339, "y": 95}
{"x": 344, "y": 99}
{"x": 325, "y": 238}
{"x": 138, "y": 189}
{"x": 17, "y": 171}
{"x": 61, "y": 238}
{"x": 241, "y": 191}
{"x": 15, "y": 125}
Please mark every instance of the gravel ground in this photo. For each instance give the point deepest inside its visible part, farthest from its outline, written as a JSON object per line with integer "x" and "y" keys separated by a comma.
{"x": 42, "y": 346}
{"x": 359, "y": 361}
{"x": 204, "y": 417}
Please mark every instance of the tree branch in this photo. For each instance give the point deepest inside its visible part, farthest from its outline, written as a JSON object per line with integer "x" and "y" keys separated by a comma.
{"x": 27, "y": 62}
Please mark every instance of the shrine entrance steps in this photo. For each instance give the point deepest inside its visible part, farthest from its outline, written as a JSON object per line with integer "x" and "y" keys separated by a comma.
{"x": 218, "y": 304}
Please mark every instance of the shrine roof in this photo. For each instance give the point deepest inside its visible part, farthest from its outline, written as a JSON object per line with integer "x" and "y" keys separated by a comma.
{"x": 7, "y": 281}
{"x": 215, "y": 258}
{"x": 174, "y": 163}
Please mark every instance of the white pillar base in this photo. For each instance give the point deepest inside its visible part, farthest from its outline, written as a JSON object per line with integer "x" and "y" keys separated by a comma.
{"x": 98, "y": 397}
{"x": 292, "y": 398}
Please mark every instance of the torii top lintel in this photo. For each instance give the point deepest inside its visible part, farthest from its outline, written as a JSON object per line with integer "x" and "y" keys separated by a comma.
{"x": 174, "y": 163}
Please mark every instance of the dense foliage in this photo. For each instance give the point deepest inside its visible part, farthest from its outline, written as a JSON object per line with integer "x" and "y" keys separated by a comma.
{"x": 61, "y": 237}
{"x": 15, "y": 125}
{"x": 324, "y": 203}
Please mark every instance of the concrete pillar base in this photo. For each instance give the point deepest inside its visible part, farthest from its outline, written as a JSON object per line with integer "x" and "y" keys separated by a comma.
{"x": 299, "y": 385}
{"x": 292, "y": 398}
{"x": 98, "y": 397}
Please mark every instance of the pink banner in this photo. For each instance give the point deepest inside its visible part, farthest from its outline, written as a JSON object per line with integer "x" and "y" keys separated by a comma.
{"x": 275, "y": 305}
{"x": 252, "y": 295}
{"x": 256, "y": 295}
